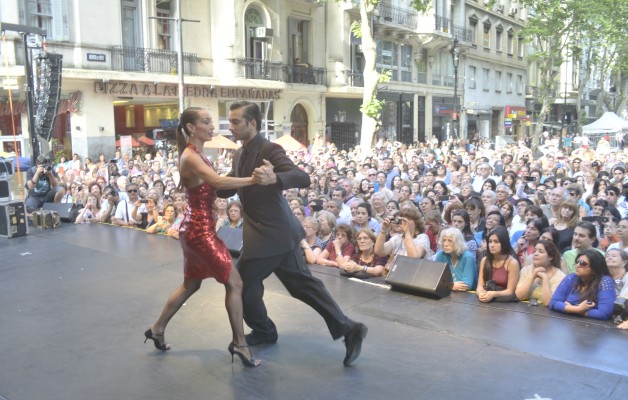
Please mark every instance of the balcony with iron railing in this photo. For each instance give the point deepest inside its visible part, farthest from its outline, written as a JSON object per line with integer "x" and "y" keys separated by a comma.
{"x": 261, "y": 69}
{"x": 397, "y": 16}
{"x": 446, "y": 25}
{"x": 354, "y": 78}
{"x": 124, "y": 58}
{"x": 275, "y": 71}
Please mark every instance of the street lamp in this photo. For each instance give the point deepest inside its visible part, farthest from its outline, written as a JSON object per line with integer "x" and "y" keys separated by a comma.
{"x": 455, "y": 57}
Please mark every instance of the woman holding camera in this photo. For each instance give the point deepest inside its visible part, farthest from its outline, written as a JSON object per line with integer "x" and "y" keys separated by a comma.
{"x": 499, "y": 269}
{"x": 539, "y": 281}
{"x": 91, "y": 210}
{"x": 409, "y": 242}
{"x": 590, "y": 291}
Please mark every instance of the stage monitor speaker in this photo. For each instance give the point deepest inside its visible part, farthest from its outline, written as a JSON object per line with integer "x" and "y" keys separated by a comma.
{"x": 232, "y": 238}
{"x": 420, "y": 276}
{"x": 5, "y": 192}
{"x": 67, "y": 211}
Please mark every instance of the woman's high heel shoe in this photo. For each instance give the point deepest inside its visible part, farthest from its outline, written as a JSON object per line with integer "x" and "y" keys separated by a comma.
{"x": 159, "y": 345}
{"x": 248, "y": 362}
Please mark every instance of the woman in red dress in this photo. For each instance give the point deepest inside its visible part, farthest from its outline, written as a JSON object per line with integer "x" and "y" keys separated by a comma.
{"x": 204, "y": 254}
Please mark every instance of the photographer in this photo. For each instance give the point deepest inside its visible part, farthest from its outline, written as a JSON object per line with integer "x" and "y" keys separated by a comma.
{"x": 43, "y": 185}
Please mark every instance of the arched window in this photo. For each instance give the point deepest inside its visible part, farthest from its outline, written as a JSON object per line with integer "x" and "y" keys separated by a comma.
{"x": 256, "y": 44}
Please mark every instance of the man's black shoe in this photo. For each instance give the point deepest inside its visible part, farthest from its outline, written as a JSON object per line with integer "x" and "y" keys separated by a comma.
{"x": 353, "y": 342}
{"x": 253, "y": 339}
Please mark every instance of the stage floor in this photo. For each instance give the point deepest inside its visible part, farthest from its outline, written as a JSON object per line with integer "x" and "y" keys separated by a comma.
{"x": 76, "y": 300}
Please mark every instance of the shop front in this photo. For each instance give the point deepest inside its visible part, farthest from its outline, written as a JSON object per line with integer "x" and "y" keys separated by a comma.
{"x": 515, "y": 119}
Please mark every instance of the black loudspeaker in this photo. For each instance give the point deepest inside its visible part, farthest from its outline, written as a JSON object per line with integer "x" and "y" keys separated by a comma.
{"x": 420, "y": 276}
{"x": 67, "y": 211}
{"x": 232, "y": 238}
{"x": 48, "y": 93}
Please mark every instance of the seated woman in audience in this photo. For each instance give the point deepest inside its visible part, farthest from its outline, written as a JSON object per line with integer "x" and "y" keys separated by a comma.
{"x": 539, "y": 281}
{"x": 234, "y": 211}
{"x": 95, "y": 189}
{"x": 525, "y": 245}
{"x": 461, "y": 262}
{"x": 378, "y": 205}
{"x": 622, "y": 233}
{"x": 499, "y": 270}
{"x": 299, "y": 212}
{"x": 392, "y": 207}
{"x": 409, "y": 242}
{"x": 91, "y": 210}
{"x": 364, "y": 263}
{"x": 617, "y": 261}
{"x": 590, "y": 291}
{"x": 508, "y": 211}
{"x": 341, "y": 247}
{"x": 565, "y": 223}
{"x": 460, "y": 221}
{"x": 475, "y": 208}
{"x": 311, "y": 244}
{"x": 164, "y": 223}
{"x": 364, "y": 219}
{"x": 327, "y": 227}
{"x": 220, "y": 207}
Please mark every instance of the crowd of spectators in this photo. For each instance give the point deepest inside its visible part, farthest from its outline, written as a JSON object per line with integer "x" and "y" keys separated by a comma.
{"x": 550, "y": 228}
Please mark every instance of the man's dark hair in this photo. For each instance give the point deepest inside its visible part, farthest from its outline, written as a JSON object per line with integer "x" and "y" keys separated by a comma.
{"x": 251, "y": 112}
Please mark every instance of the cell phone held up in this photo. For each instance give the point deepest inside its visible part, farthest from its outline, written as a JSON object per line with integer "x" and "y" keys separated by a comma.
{"x": 530, "y": 178}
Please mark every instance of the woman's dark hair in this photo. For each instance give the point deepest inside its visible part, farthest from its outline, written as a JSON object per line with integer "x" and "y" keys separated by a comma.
{"x": 506, "y": 249}
{"x": 616, "y": 215}
{"x": 513, "y": 185}
{"x": 599, "y": 268}
{"x": 188, "y": 116}
{"x": 490, "y": 182}
{"x": 395, "y": 202}
{"x": 367, "y": 207}
{"x": 348, "y": 230}
{"x": 466, "y": 231}
{"x": 552, "y": 252}
{"x": 539, "y": 224}
{"x": 443, "y": 185}
{"x": 552, "y": 231}
{"x": 596, "y": 185}
{"x": 475, "y": 202}
{"x": 502, "y": 220}
{"x": 360, "y": 187}
{"x": 536, "y": 210}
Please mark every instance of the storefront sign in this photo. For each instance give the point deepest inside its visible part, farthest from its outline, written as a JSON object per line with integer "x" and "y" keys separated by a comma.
{"x": 517, "y": 113}
{"x": 71, "y": 104}
{"x": 120, "y": 88}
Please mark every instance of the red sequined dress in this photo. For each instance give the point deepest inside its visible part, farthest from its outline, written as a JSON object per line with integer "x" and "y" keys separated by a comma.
{"x": 204, "y": 253}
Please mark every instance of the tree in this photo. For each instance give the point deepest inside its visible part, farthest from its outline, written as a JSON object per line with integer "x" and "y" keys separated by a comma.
{"x": 592, "y": 32}
{"x": 371, "y": 106}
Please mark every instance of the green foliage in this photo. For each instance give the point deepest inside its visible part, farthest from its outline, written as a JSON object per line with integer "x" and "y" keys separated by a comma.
{"x": 422, "y": 6}
{"x": 373, "y": 109}
{"x": 385, "y": 76}
{"x": 356, "y": 28}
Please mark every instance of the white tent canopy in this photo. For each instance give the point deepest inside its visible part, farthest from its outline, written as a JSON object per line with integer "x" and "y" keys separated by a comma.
{"x": 607, "y": 123}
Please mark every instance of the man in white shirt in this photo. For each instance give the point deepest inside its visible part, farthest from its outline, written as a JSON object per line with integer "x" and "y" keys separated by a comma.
{"x": 124, "y": 210}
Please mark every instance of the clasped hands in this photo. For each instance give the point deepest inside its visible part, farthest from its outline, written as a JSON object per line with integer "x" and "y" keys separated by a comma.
{"x": 264, "y": 174}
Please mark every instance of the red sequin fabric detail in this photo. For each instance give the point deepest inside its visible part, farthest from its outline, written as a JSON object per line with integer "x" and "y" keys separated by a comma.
{"x": 204, "y": 253}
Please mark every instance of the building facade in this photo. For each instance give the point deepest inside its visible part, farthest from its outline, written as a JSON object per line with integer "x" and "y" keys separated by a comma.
{"x": 298, "y": 59}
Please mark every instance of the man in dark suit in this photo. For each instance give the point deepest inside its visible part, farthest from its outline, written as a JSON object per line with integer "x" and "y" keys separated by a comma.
{"x": 272, "y": 235}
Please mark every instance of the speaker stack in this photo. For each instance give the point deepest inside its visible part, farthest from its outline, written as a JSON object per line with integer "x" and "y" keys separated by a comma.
{"x": 48, "y": 92}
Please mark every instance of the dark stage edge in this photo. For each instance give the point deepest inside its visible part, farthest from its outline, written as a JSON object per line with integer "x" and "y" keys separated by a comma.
{"x": 75, "y": 301}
